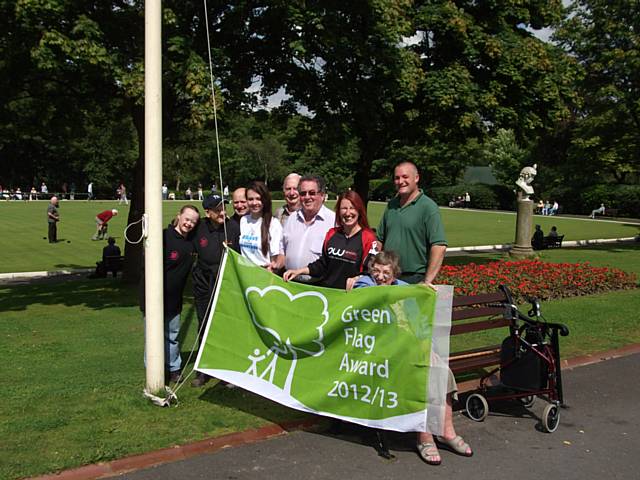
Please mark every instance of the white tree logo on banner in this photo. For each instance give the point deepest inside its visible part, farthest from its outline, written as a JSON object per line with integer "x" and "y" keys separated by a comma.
{"x": 284, "y": 341}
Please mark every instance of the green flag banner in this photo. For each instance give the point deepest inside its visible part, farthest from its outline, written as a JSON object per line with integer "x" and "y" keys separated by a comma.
{"x": 375, "y": 356}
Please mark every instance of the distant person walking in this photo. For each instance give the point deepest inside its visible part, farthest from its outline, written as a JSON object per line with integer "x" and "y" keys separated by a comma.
{"x": 200, "y": 194}
{"x": 598, "y": 211}
{"x": 123, "y": 194}
{"x": 43, "y": 189}
{"x": 90, "y": 191}
{"x": 53, "y": 217}
{"x": 165, "y": 191}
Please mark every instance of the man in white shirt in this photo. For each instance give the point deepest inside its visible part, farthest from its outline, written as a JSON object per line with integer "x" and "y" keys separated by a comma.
{"x": 305, "y": 230}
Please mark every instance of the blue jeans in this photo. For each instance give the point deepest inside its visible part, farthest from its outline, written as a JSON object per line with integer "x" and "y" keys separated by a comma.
{"x": 172, "y": 359}
{"x": 171, "y": 346}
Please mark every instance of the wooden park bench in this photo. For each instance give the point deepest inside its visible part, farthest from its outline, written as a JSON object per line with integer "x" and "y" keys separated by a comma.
{"x": 477, "y": 313}
{"x": 610, "y": 212}
{"x": 471, "y": 314}
{"x": 552, "y": 242}
{"x": 113, "y": 264}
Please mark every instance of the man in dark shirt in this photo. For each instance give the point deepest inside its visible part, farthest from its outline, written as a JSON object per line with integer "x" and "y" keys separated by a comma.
{"x": 239, "y": 199}
{"x": 110, "y": 251}
{"x": 209, "y": 243}
{"x": 53, "y": 217}
{"x": 177, "y": 261}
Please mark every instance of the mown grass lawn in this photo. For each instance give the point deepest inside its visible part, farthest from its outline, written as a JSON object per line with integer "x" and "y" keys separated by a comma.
{"x": 75, "y": 374}
{"x": 26, "y": 248}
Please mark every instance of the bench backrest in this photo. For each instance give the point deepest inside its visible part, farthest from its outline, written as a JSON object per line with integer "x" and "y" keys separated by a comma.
{"x": 113, "y": 262}
{"x": 475, "y": 313}
{"x": 470, "y": 313}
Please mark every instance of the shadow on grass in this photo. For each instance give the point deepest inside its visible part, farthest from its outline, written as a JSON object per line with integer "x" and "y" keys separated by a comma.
{"x": 72, "y": 265}
{"x": 250, "y": 403}
{"x": 98, "y": 294}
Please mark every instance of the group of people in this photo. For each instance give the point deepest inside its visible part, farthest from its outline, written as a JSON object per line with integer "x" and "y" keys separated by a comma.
{"x": 537, "y": 241}
{"x": 190, "y": 194}
{"x": 461, "y": 201}
{"x": 33, "y": 194}
{"x": 306, "y": 242}
{"x": 547, "y": 208}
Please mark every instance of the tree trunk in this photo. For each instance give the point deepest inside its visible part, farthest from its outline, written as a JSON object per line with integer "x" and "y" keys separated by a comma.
{"x": 133, "y": 253}
{"x": 363, "y": 171}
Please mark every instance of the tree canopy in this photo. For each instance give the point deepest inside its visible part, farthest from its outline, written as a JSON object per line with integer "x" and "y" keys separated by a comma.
{"x": 444, "y": 83}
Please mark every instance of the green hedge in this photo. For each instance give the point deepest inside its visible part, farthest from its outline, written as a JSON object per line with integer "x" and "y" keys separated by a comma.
{"x": 381, "y": 189}
{"x": 482, "y": 196}
{"x": 624, "y": 198}
{"x": 277, "y": 195}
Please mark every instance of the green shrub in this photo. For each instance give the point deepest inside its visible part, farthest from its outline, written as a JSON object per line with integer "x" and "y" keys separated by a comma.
{"x": 277, "y": 195}
{"x": 482, "y": 196}
{"x": 624, "y": 198}
{"x": 381, "y": 189}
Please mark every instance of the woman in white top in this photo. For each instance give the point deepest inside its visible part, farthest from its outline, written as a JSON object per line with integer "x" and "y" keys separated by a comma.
{"x": 259, "y": 235}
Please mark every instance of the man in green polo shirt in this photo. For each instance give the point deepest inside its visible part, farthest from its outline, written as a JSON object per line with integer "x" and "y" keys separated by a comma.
{"x": 411, "y": 226}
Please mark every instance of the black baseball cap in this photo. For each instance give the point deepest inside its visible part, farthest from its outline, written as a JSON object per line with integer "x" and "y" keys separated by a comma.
{"x": 211, "y": 201}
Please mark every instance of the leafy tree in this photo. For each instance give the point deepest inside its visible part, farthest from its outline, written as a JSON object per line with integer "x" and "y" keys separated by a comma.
{"x": 97, "y": 48}
{"x": 603, "y": 36}
{"x": 505, "y": 156}
{"x": 344, "y": 61}
{"x": 485, "y": 72}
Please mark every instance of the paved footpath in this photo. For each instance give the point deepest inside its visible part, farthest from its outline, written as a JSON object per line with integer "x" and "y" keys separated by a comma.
{"x": 597, "y": 439}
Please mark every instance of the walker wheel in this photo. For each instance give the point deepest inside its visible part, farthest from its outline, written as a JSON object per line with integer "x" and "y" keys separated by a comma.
{"x": 477, "y": 407}
{"x": 551, "y": 418}
{"x": 528, "y": 401}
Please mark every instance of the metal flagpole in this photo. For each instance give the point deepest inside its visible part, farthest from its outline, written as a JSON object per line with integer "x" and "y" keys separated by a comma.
{"x": 154, "y": 309}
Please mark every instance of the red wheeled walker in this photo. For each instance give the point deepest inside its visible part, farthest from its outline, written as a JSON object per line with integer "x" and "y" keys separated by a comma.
{"x": 529, "y": 366}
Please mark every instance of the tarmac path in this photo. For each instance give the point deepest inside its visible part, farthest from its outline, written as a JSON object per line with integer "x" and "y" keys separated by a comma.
{"x": 597, "y": 439}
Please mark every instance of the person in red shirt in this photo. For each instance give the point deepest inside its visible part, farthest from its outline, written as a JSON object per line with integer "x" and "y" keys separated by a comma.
{"x": 347, "y": 247}
{"x": 102, "y": 220}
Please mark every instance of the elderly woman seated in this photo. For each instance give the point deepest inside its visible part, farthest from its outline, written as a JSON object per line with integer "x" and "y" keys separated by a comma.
{"x": 384, "y": 269}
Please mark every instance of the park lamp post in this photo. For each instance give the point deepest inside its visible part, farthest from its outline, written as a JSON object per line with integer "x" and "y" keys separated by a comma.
{"x": 154, "y": 302}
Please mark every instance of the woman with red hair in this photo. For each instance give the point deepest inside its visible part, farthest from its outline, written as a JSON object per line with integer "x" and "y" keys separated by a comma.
{"x": 347, "y": 247}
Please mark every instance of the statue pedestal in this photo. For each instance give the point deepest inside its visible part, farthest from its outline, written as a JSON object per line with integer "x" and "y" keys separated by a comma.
{"x": 524, "y": 220}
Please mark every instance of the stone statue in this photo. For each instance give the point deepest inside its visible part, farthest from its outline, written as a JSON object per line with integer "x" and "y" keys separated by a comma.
{"x": 527, "y": 174}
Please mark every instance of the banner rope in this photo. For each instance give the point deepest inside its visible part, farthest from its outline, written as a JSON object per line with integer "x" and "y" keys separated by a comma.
{"x": 215, "y": 110}
{"x": 171, "y": 397}
{"x": 194, "y": 347}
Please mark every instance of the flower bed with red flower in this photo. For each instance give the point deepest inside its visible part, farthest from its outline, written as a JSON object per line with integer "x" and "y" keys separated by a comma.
{"x": 535, "y": 278}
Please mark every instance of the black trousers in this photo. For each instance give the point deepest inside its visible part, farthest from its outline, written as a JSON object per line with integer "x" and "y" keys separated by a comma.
{"x": 203, "y": 284}
{"x": 53, "y": 232}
